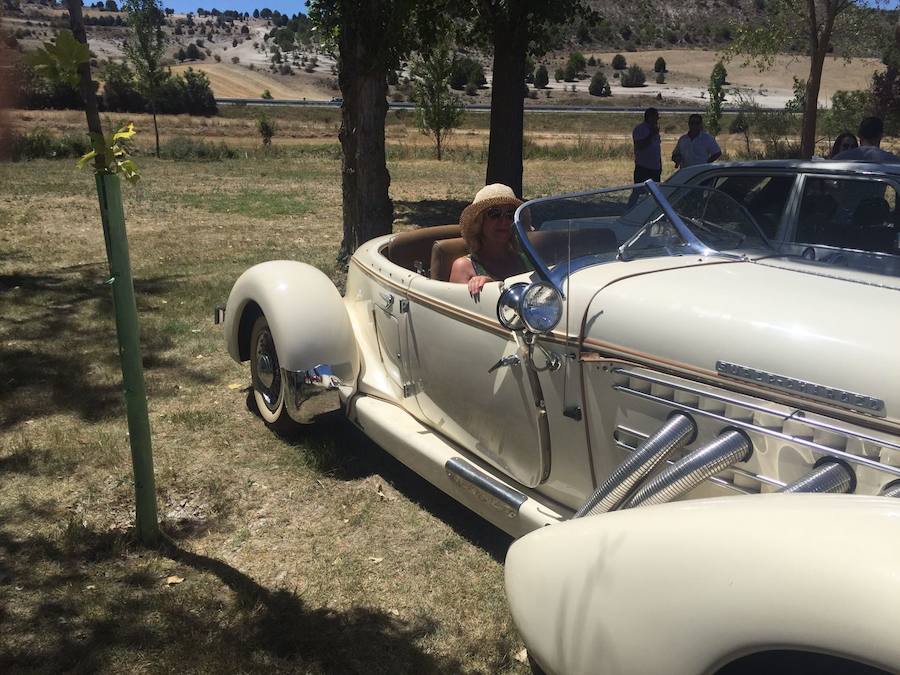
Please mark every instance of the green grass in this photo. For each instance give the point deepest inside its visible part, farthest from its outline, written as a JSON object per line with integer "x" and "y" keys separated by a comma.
{"x": 272, "y": 535}
{"x": 251, "y": 203}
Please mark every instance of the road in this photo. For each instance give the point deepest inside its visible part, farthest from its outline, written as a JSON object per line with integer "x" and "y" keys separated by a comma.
{"x": 475, "y": 107}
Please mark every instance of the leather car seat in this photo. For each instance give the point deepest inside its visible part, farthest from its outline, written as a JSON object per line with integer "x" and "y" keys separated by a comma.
{"x": 412, "y": 249}
{"x": 443, "y": 254}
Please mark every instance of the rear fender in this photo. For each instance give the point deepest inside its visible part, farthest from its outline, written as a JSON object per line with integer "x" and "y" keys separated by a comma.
{"x": 690, "y": 586}
{"x": 306, "y": 315}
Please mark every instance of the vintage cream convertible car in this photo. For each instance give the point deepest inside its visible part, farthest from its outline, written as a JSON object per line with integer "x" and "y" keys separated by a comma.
{"x": 661, "y": 391}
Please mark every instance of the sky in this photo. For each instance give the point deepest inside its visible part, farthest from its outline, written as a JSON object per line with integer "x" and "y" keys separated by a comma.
{"x": 283, "y": 6}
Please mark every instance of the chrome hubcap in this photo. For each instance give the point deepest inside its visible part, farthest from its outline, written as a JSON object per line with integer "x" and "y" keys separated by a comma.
{"x": 267, "y": 378}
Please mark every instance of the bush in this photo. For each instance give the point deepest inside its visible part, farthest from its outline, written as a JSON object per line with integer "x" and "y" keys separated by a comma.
{"x": 266, "y": 95}
{"x": 38, "y": 92}
{"x": 660, "y": 65}
{"x": 559, "y": 74}
{"x": 569, "y": 74}
{"x": 218, "y": 58}
{"x": 235, "y": 59}
{"x": 541, "y": 77}
{"x": 599, "y": 85}
{"x": 577, "y": 61}
{"x": 266, "y": 127}
{"x": 471, "y": 89}
{"x": 619, "y": 62}
{"x": 188, "y": 92}
{"x": 193, "y": 53}
{"x": 660, "y": 78}
{"x": 41, "y": 144}
{"x": 592, "y": 61}
{"x": 465, "y": 71}
{"x": 634, "y": 76}
{"x": 120, "y": 93}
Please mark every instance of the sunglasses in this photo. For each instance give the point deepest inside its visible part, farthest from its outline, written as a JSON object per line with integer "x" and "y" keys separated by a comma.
{"x": 497, "y": 212}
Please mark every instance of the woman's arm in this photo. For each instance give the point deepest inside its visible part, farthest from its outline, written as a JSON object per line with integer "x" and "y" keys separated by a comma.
{"x": 463, "y": 272}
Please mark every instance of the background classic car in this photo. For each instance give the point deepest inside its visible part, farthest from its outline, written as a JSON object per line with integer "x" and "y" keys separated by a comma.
{"x": 662, "y": 351}
{"x": 831, "y": 210}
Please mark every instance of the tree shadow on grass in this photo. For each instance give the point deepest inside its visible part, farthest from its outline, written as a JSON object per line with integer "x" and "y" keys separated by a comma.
{"x": 335, "y": 447}
{"x": 429, "y": 212}
{"x": 62, "y": 328}
{"x": 86, "y": 600}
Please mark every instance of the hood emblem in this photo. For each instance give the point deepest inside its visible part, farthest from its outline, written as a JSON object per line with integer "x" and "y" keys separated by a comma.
{"x": 819, "y": 392}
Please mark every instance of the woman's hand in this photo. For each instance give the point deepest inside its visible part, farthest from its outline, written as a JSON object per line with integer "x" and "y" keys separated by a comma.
{"x": 477, "y": 282}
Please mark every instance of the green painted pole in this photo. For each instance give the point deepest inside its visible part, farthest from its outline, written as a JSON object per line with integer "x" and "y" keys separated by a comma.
{"x": 113, "y": 216}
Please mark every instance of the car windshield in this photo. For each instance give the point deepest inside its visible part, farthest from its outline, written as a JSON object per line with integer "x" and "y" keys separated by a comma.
{"x": 646, "y": 220}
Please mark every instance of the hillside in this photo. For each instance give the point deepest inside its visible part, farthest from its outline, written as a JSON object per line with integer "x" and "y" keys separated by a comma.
{"x": 242, "y": 58}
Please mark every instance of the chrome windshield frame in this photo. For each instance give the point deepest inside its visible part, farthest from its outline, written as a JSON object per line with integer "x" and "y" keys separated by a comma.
{"x": 561, "y": 272}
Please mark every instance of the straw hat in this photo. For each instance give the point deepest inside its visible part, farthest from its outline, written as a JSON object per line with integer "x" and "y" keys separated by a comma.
{"x": 495, "y": 194}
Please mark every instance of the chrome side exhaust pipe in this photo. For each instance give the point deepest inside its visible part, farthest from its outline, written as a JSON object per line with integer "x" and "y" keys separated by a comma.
{"x": 677, "y": 432}
{"x": 891, "y": 489}
{"x": 729, "y": 448}
{"x": 827, "y": 476}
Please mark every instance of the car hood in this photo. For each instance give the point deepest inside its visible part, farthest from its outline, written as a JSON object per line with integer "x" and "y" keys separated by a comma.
{"x": 778, "y": 326}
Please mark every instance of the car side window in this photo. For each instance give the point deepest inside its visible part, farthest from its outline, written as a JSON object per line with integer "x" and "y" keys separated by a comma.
{"x": 856, "y": 214}
{"x": 765, "y": 197}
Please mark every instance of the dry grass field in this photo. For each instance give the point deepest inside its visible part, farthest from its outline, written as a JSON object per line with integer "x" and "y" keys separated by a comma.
{"x": 236, "y": 81}
{"x": 313, "y": 553}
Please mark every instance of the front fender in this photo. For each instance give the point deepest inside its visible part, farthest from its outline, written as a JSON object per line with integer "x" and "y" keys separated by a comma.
{"x": 306, "y": 315}
{"x": 688, "y": 587}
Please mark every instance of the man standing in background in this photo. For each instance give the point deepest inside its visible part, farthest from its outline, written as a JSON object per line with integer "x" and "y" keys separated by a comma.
{"x": 647, "y": 153}
{"x": 696, "y": 146}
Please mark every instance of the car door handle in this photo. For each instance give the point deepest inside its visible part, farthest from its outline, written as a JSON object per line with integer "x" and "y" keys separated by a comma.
{"x": 511, "y": 360}
{"x": 387, "y": 301}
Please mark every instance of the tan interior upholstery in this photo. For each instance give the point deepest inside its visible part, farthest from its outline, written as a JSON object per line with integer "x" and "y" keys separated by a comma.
{"x": 551, "y": 245}
{"x": 414, "y": 246}
{"x": 443, "y": 253}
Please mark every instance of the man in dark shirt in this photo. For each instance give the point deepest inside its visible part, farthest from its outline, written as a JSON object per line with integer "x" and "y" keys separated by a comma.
{"x": 647, "y": 153}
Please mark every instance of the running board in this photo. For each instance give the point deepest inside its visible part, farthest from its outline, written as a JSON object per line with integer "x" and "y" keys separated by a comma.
{"x": 497, "y": 495}
{"x": 443, "y": 464}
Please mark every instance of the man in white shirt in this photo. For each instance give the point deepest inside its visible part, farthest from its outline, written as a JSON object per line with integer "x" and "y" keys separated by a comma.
{"x": 696, "y": 146}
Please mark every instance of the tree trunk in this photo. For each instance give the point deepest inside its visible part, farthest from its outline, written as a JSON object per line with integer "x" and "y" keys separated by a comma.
{"x": 367, "y": 208}
{"x": 507, "y": 104}
{"x": 155, "y": 126}
{"x": 88, "y": 91}
{"x": 819, "y": 39}
{"x": 811, "y": 106}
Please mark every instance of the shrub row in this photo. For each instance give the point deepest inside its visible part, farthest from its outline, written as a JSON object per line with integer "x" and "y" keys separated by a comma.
{"x": 189, "y": 93}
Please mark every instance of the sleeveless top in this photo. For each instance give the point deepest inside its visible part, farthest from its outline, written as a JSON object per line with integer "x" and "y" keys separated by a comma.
{"x": 481, "y": 270}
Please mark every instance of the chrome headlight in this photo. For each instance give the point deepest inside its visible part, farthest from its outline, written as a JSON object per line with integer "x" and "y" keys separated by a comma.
{"x": 541, "y": 307}
{"x": 508, "y": 306}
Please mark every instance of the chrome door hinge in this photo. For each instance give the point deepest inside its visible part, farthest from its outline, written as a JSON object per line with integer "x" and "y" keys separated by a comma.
{"x": 409, "y": 389}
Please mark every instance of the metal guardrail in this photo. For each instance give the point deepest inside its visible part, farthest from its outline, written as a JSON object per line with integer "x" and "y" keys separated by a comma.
{"x": 473, "y": 106}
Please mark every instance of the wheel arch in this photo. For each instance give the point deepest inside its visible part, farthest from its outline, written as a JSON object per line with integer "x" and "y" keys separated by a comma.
{"x": 710, "y": 581}
{"x": 795, "y": 662}
{"x": 305, "y": 312}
